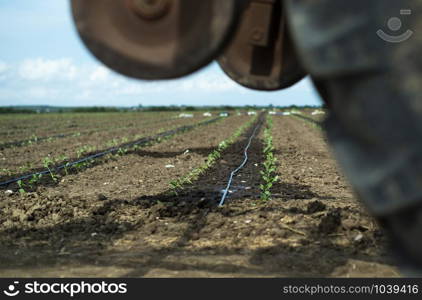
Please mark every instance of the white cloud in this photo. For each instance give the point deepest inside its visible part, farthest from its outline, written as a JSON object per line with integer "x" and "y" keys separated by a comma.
{"x": 43, "y": 93}
{"x": 99, "y": 73}
{"x": 3, "y": 67}
{"x": 64, "y": 82}
{"x": 206, "y": 83}
{"x": 213, "y": 83}
{"x": 90, "y": 80}
{"x": 41, "y": 69}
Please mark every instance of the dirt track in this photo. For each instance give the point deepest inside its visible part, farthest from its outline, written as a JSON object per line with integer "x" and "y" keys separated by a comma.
{"x": 118, "y": 219}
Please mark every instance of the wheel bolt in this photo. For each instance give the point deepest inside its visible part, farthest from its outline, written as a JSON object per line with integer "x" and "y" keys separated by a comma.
{"x": 150, "y": 9}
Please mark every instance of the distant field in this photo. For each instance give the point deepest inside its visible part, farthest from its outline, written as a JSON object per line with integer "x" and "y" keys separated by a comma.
{"x": 137, "y": 194}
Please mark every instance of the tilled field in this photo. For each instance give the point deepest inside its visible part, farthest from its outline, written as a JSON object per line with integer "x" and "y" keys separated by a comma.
{"x": 121, "y": 217}
{"x": 24, "y": 127}
{"x": 24, "y": 159}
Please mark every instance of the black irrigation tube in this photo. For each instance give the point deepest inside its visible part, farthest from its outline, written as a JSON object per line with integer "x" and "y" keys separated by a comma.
{"x": 37, "y": 140}
{"x": 318, "y": 124}
{"x": 60, "y": 136}
{"x": 245, "y": 153}
{"x": 112, "y": 150}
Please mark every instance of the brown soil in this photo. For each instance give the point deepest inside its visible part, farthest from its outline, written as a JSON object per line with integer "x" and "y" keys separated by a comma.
{"x": 31, "y": 156}
{"x": 316, "y": 117}
{"x": 119, "y": 219}
{"x": 21, "y": 127}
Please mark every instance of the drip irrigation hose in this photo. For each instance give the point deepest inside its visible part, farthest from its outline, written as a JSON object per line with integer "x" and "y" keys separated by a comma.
{"x": 141, "y": 141}
{"x": 233, "y": 173}
{"x": 61, "y": 136}
{"x": 308, "y": 119}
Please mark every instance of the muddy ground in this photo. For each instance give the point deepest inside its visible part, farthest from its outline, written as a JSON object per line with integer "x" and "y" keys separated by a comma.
{"x": 120, "y": 219}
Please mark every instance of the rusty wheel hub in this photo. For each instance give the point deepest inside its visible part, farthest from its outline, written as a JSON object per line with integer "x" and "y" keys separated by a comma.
{"x": 155, "y": 39}
{"x": 261, "y": 55}
{"x": 150, "y": 9}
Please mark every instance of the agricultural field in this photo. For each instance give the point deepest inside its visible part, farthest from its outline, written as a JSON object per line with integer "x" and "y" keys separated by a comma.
{"x": 156, "y": 195}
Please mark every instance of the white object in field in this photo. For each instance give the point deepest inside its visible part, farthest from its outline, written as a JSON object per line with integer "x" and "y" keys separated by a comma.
{"x": 8, "y": 192}
{"x": 186, "y": 116}
{"x": 207, "y": 114}
{"x": 359, "y": 237}
{"x": 251, "y": 113}
{"x": 272, "y": 113}
{"x": 318, "y": 112}
{"x": 224, "y": 114}
{"x": 287, "y": 113}
{"x": 169, "y": 166}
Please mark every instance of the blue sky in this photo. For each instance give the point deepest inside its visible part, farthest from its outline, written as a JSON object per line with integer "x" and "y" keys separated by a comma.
{"x": 42, "y": 61}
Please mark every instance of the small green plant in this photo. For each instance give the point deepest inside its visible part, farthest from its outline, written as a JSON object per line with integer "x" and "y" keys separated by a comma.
{"x": 21, "y": 187}
{"x": 61, "y": 158}
{"x": 79, "y": 152}
{"x": 66, "y": 168}
{"x": 112, "y": 143}
{"x": 48, "y": 163}
{"x": 175, "y": 187}
{"x": 85, "y": 149}
{"x": 34, "y": 179}
{"x": 23, "y": 169}
{"x": 6, "y": 172}
{"x": 270, "y": 166}
{"x": 78, "y": 166}
{"x": 122, "y": 151}
{"x": 33, "y": 138}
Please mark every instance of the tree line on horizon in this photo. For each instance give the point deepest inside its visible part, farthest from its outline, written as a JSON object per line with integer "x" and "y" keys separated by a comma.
{"x": 140, "y": 108}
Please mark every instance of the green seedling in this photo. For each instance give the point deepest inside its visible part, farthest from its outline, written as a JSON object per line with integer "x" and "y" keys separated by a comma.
{"x": 270, "y": 163}
{"x": 112, "y": 143}
{"x": 21, "y": 187}
{"x": 34, "y": 179}
{"x": 23, "y": 169}
{"x": 33, "y": 138}
{"x": 66, "y": 168}
{"x": 48, "y": 163}
{"x": 85, "y": 149}
{"x": 6, "y": 172}
{"x": 122, "y": 151}
{"x": 61, "y": 158}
